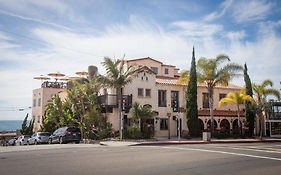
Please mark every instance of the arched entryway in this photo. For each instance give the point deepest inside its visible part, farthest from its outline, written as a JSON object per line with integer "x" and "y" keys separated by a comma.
{"x": 209, "y": 125}
{"x": 235, "y": 127}
{"x": 225, "y": 126}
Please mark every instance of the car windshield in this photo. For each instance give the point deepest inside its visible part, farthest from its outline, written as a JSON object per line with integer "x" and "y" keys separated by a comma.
{"x": 44, "y": 134}
{"x": 73, "y": 129}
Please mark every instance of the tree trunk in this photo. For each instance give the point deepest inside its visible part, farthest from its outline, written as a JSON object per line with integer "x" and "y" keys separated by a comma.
{"x": 238, "y": 111}
{"x": 119, "y": 100}
{"x": 211, "y": 106}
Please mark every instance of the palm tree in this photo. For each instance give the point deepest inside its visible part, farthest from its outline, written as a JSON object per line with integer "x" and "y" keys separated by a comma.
{"x": 82, "y": 94}
{"x": 210, "y": 72}
{"x": 237, "y": 98}
{"x": 118, "y": 75}
{"x": 183, "y": 77}
{"x": 142, "y": 114}
{"x": 261, "y": 91}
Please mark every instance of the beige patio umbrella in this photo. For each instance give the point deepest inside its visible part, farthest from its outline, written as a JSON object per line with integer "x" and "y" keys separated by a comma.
{"x": 66, "y": 78}
{"x": 74, "y": 77}
{"x": 56, "y": 75}
{"x": 82, "y": 73}
{"x": 41, "y": 77}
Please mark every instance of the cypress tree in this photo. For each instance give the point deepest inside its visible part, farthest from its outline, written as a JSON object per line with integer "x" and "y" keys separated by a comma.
{"x": 24, "y": 127}
{"x": 191, "y": 99}
{"x": 249, "y": 112}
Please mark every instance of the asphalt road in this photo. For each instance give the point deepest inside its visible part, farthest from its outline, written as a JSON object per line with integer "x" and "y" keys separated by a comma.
{"x": 211, "y": 159}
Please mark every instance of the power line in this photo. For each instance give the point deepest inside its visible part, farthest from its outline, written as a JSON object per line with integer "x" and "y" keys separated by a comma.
{"x": 48, "y": 44}
{"x": 3, "y": 109}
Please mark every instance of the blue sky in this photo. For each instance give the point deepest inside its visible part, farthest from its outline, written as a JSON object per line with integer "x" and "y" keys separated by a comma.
{"x": 38, "y": 37}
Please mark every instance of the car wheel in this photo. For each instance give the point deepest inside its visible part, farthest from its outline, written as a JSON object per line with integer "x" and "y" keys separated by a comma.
{"x": 60, "y": 140}
{"x": 50, "y": 141}
{"x": 77, "y": 142}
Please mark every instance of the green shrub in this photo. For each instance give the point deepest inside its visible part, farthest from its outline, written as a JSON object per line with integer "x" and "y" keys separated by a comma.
{"x": 132, "y": 132}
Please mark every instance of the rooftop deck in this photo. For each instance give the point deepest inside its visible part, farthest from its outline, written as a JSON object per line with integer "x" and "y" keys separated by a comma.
{"x": 59, "y": 85}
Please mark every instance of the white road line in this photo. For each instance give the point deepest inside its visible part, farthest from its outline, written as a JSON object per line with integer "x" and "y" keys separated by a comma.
{"x": 223, "y": 152}
{"x": 249, "y": 149}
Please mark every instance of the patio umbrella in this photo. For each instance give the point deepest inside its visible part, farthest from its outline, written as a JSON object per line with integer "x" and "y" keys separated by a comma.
{"x": 56, "y": 74}
{"x": 66, "y": 78}
{"x": 74, "y": 77}
{"x": 82, "y": 73}
{"x": 41, "y": 77}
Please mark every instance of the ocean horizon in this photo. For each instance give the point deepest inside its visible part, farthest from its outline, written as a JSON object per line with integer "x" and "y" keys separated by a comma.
{"x": 10, "y": 125}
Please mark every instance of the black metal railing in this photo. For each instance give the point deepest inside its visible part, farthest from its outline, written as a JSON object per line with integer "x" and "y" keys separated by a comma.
{"x": 275, "y": 116}
{"x": 110, "y": 100}
{"x": 49, "y": 84}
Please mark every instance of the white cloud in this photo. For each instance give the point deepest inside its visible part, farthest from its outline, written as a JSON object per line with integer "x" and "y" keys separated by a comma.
{"x": 37, "y": 20}
{"x": 198, "y": 29}
{"x": 224, "y": 6}
{"x": 245, "y": 11}
{"x": 69, "y": 52}
{"x": 242, "y": 11}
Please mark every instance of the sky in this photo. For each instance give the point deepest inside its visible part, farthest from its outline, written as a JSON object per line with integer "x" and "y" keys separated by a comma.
{"x": 39, "y": 37}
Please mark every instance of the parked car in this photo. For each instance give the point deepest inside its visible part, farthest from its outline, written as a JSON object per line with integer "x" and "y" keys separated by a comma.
{"x": 22, "y": 140}
{"x": 12, "y": 142}
{"x": 65, "y": 135}
{"x": 39, "y": 138}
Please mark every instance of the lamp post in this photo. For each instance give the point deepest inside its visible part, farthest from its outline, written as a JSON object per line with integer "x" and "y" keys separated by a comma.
{"x": 179, "y": 133}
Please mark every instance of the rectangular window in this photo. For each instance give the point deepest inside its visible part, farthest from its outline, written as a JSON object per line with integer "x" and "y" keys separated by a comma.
{"x": 175, "y": 101}
{"x": 205, "y": 99}
{"x": 38, "y": 119}
{"x": 164, "y": 124}
{"x": 148, "y": 92}
{"x": 166, "y": 71}
{"x": 162, "y": 102}
{"x": 221, "y": 96}
{"x": 34, "y": 102}
{"x": 140, "y": 92}
{"x": 154, "y": 69}
{"x": 39, "y": 101}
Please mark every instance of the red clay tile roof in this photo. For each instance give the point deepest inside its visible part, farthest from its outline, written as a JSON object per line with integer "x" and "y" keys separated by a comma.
{"x": 173, "y": 81}
{"x": 145, "y": 58}
{"x": 222, "y": 113}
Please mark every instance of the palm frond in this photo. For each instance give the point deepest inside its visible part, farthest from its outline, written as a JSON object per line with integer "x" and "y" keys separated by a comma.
{"x": 266, "y": 83}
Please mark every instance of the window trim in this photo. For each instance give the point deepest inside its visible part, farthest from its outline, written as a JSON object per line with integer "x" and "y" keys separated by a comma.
{"x": 146, "y": 90}
{"x": 142, "y": 94}
{"x": 164, "y": 103}
{"x": 164, "y": 126}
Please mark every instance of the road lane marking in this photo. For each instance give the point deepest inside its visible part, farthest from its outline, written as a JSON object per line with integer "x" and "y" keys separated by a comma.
{"x": 224, "y": 152}
{"x": 250, "y": 149}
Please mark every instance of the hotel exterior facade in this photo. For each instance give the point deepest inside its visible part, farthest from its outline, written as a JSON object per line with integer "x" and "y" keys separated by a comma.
{"x": 157, "y": 87}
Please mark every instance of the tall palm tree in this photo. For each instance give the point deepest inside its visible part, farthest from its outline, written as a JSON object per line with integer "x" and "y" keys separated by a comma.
{"x": 261, "y": 91}
{"x": 118, "y": 75}
{"x": 237, "y": 98}
{"x": 212, "y": 74}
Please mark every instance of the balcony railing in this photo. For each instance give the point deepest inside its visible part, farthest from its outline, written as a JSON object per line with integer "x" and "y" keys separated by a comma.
{"x": 110, "y": 100}
{"x": 275, "y": 116}
{"x": 49, "y": 84}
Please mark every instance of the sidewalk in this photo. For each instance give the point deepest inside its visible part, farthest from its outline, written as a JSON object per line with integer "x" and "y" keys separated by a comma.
{"x": 173, "y": 141}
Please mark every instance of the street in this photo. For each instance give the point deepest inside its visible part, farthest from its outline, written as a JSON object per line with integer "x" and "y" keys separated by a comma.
{"x": 211, "y": 159}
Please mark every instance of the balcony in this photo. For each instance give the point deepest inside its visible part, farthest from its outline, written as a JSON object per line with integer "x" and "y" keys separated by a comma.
{"x": 275, "y": 113}
{"x": 110, "y": 101}
{"x": 49, "y": 84}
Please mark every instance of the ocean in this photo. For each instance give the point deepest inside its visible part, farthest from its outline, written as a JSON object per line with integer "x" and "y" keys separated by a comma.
{"x": 10, "y": 125}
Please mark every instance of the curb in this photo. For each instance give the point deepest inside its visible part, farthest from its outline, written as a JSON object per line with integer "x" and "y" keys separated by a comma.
{"x": 204, "y": 142}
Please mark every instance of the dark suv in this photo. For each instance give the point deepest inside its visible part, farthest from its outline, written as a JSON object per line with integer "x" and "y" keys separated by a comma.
{"x": 65, "y": 135}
